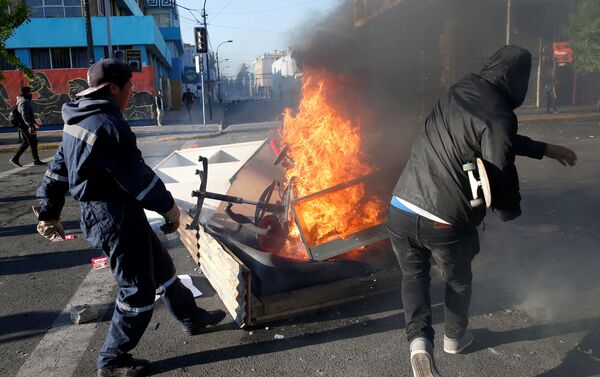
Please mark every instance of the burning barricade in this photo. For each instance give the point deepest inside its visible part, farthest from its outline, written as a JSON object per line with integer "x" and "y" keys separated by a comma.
{"x": 302, "y": 223}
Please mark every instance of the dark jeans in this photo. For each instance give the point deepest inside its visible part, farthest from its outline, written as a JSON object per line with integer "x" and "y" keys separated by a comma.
{"x": 27, "y": 140}
{"x": 550, "y": 103}
{"x": 415, "y": 240}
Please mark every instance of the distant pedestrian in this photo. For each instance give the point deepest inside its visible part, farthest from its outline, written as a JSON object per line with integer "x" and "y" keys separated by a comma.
{"x": 158, "y": 102}
{"x": 188, "y": 99}
{"x": 550, "y": 92}
{"x": 23, "y": 118}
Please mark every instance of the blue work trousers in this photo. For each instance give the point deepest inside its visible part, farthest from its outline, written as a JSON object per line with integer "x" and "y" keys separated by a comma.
{"x": 141, "y": 267}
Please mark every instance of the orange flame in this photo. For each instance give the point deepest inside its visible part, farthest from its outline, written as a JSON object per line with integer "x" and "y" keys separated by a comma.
{"x": 325, "y": 146}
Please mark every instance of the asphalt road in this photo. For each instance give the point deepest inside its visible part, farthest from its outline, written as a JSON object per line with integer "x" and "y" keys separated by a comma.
{"x": 534, "y": 312}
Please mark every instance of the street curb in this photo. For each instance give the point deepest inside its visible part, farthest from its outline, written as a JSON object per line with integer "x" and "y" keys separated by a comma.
{"x": 14, "y": 148}
{"x": 557, "y": 118}
{"x": 184, "y": 138}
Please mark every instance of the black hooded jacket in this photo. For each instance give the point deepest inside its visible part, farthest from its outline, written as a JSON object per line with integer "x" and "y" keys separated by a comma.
{"x": 475, "y": 119}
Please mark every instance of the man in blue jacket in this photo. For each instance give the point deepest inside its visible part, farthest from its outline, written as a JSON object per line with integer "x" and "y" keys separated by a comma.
{"x": 430, "y": 214}
{"x": 99, "y": 163}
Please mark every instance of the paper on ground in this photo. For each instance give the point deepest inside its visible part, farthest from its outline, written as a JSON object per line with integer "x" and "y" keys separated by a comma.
{"x": 186, "y": 280}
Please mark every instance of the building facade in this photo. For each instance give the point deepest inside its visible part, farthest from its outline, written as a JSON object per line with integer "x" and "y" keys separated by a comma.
{"x": 286, "y": 78}
{"x": 145, "y": 34}
{"x": 262, "y": 69}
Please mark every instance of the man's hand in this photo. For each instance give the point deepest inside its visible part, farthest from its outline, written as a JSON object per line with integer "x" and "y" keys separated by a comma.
{"x": 51, "y": 229}
{"x": 561, "y": 154}
{"x": 171, "y": 220}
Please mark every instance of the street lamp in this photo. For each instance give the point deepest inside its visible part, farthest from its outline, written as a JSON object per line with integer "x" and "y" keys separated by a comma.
{"x": 218, "y": 70}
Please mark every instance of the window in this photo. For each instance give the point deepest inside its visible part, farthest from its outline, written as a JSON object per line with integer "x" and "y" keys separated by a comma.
{"x": 54, "y": 12}
{"x": 61, "y": 58}
{"x": 4, "y": 65}
{"x": 72, "y": 8}
{"x": 79, "y": 57}
{"x": 40, "y": 58}
{"x": 162, "y": 19}
{"x": 54, "y": 8}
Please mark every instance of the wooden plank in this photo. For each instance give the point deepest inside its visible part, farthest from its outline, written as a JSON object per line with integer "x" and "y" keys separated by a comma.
{"x": 232, "y": 278}
{"x": 234, "y": 302}
{"x": 223, "y": 272}
{"x": 188, "y": 236}
{"x": 192, "y": 249}
{"x": 323, "y": 295}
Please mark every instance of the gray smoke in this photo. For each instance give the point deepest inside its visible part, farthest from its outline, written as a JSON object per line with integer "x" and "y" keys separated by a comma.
{"x": 407, "y": 57}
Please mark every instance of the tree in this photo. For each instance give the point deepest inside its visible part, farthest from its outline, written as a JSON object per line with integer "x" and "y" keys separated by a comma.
{"x": 13, "y": 13}
{"x": 583, "y": 27}
{"x": 242, "y": 80}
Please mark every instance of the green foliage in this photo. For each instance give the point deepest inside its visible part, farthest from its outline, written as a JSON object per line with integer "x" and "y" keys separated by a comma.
{"x": 13, "y": 13}
{"x": 242, "y": 75}
{"x": 583, "y": 28}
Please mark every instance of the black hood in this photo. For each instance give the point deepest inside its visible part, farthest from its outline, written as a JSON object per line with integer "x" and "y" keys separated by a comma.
{"x": 75, "y": 112}
{"x": 508, "y": 70}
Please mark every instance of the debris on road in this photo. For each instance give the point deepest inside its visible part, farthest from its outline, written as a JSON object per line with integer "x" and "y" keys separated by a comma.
{"x": 279, "y": 336}
{"x": 99, "y": 263}
{"x": 84, "y": 314}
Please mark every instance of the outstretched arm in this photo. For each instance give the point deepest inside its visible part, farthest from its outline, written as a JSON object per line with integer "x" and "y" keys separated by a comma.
{"x": 564, "y": 155}
{"x": 524, "y": 146}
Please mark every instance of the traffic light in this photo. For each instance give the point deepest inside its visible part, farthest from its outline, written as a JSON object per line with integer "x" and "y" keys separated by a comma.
{"x": 201, "y": 40}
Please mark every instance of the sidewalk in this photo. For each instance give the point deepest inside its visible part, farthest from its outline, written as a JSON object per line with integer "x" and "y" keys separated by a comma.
{"x": 178, "y": 127}
{"x": 565, "y": 113}
{"x": 175, "y": 127}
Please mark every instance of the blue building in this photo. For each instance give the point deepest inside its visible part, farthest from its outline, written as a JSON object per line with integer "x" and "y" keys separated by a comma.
{"x": 144, "y": 33}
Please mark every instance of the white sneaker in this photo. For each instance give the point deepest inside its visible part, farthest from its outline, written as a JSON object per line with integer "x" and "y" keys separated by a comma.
{"x": 454, "y": 346}
{"x": 421, "y": 358}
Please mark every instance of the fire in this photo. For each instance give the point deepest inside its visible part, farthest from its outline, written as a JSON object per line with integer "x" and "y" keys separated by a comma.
{"x": 325, "y": 145}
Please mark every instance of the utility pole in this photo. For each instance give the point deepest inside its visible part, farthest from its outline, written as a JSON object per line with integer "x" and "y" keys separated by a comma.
{"x": 508, "y": 12}
{"x": 207, "y": 65}
{"x": 538, "y": 91}
{"x": 199, "y": 71}
{"x": 85, "y": 7}
{"x": 108, "y": 37}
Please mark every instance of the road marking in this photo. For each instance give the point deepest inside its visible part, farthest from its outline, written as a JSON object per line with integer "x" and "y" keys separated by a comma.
{"x": 59, "y": 352}
{"x": 5, "y": 174}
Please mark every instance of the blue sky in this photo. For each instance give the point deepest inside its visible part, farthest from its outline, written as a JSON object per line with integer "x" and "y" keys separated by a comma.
{"x": 255, "y": 26}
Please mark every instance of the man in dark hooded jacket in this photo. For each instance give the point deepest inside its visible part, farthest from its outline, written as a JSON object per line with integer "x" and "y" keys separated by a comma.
{"x": 24, "y": 120}
{"x": 430, "y": 213}
{"x": 99, "y": 163}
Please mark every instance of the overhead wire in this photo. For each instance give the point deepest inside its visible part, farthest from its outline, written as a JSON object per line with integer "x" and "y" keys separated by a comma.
{"x": 256, "y": 30}
{"x": 272, "y": 9}
{"x": 222, "y": 9}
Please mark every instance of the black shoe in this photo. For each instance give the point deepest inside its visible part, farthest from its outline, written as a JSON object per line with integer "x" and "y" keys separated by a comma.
{"x": 39, "y": 163}
{"x": 15, "y": 162}
{"x": 128, "y": 366}
{"x": 203, "y": 320}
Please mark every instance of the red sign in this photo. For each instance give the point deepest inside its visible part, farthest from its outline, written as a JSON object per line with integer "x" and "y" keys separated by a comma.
{"x": 562, "y": 52}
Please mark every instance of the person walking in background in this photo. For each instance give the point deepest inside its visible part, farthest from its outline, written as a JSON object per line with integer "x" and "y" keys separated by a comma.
{"x": 158, "y": 102}
{"x": 23, "y": 118}
{"x": 430, "y": 215}
{"x": 188, "y": 99}
{"x": 550, "y": 92}
{"x": 99, "y": 164}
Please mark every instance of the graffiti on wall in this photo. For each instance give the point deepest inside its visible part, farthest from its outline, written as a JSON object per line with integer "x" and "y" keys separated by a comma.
{"x": 53, "y": 88}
